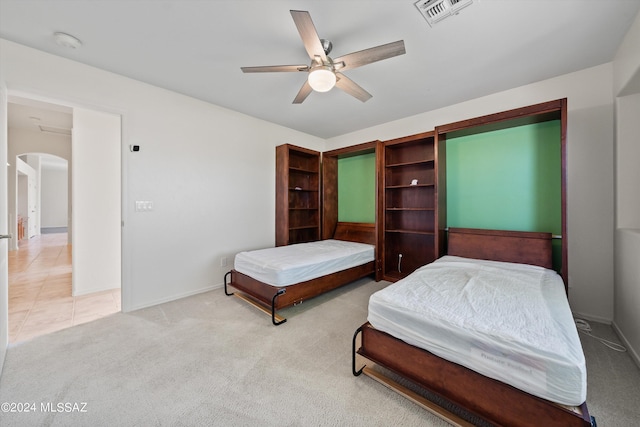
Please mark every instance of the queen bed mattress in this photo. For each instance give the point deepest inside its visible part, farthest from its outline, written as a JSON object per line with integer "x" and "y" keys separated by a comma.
{"x": 507, "y": 321}
{"x": 288, "y": 265}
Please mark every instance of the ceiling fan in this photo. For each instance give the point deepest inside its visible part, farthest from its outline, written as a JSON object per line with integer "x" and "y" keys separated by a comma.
{"x": 324, "y": 72}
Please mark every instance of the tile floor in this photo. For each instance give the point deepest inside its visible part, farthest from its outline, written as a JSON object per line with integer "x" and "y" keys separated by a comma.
{"x": 40, "y": 298}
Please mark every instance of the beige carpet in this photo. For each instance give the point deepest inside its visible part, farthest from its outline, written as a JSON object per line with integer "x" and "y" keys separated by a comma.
{"x": 213, "y": 360}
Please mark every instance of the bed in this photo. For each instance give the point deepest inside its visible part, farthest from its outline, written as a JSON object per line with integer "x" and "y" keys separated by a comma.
{"x": 500, "y": 343}
{"x": 275, "y": 278}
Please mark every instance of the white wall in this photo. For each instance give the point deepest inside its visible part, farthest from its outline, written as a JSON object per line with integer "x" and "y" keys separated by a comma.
{"x": 627, "y": 62}
{"x": 590, "y": 212}
{"x": 25, "y": 175}
{"x": 627, "y": 250}
{"x": 54, "y": 197}
{"x": 627, "y": 289}
{"x": 23, "y": 188}
{"x": 627, "y": 159}
{"x": 627, "y": 273}
{"x": 95, "y": 189}
{"x": 33, "y": 160}
{"x": 209, "y": 171}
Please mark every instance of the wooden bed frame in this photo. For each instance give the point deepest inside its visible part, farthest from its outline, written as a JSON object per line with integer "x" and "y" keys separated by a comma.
{"x": 491, "y": 400}
{"x": 269, "y": 298}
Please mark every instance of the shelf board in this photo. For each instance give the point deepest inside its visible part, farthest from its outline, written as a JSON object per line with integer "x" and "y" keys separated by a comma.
{"x": 390, "y": 187}
{"x": 393, "y": 276}
{"x": 303, "y": 190}
{"x": 303, "y": 227}
{"x": 410, "y": 209}
{"x": 415, "y": 162}
{"x": 295, "y": 169}
{"x": 426, "y": 233}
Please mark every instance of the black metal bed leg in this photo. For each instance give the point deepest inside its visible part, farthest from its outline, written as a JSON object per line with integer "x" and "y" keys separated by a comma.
{"x": 225, "y": 284}
{"x": 353, "y": 354}
{"x": 273, "y": 307}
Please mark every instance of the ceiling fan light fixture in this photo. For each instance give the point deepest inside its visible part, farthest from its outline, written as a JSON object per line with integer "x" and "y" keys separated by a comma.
{"x": 323, "y": 72}
{"x": 322, "y": 79}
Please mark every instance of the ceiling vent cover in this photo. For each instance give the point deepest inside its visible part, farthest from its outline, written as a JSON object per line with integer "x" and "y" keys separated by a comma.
{"x": 436, "y": 10}
{"x": 54, "y": 129}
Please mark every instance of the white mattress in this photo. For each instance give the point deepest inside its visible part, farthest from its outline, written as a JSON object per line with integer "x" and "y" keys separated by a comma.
{"x": 510, "y": 322}
{"x": 288, "y": 265}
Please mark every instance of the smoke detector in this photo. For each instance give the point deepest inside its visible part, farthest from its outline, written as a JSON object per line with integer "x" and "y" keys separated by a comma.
{"x": 435, "y": 11}
{"x": 67, "y": 40}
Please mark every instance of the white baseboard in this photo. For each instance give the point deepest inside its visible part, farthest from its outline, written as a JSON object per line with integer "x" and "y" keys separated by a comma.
{"x": 174, "y": 297}
{"x": 598, "y": 319}
{"x": 632, "y": 351}
{"x": 94, "y": 291}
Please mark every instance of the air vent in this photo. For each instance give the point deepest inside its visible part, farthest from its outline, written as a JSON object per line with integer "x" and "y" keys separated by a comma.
{"x": 435, "y": 11}
{"x": 53, "y": 129}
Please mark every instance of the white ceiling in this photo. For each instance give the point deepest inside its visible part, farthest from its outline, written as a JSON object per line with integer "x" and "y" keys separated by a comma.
{"x": 197, "y": 48}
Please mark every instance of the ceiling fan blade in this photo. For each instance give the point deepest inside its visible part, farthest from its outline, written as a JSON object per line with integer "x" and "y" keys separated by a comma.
{"x": 275, "y": 68}
{"x": 309, "y": 35}
{"x": 305, "y": 90}
{"x": 367, "y": 56}
{"x": 346, "y": 84}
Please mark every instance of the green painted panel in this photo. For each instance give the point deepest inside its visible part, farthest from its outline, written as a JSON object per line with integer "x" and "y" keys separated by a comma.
{"x": 357, "y": 188}
{"x": 507, "y": 179}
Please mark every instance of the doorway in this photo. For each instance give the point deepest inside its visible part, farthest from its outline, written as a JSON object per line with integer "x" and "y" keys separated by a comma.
{"x": 40, "y": 296}
{"x": 44, "y": 293}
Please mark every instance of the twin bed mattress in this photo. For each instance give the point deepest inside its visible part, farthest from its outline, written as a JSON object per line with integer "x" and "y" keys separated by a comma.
{"x": 510, "y": 322}
{"x": 288, "y": 265}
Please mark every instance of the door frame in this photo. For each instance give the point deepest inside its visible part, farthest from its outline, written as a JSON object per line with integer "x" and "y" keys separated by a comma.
{"x": 125, "y": 251}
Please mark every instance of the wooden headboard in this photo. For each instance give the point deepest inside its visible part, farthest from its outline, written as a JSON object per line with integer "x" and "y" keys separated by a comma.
{"x": 363, "y": 232}
{"x": 497, "y": 245}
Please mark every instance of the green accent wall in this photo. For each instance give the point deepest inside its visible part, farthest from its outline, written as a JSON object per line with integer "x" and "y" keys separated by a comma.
{"x": 507, "y": 179}
{"x": 357, "y": 188}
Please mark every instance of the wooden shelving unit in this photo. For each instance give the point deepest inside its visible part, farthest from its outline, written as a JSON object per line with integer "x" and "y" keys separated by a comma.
{"x": 411, "y": 236}
{"x": 297, "y": 195}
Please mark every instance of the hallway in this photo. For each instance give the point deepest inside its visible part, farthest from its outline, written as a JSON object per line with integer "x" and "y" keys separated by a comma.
{"x": 40, "y": 300}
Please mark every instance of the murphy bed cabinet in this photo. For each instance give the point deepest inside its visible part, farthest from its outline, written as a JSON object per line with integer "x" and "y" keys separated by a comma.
{"x": 330, "y": 186}
{"x": 537, "y": 113}
{"x": 414, "y": 218}
{"x": 297, "y": 195}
